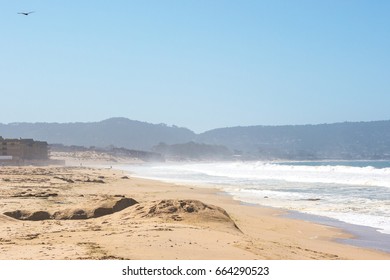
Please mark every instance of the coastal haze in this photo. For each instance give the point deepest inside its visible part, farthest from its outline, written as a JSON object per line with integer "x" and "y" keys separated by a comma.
{"x": 195, "y": 130}
{"x": 348, "y": 140}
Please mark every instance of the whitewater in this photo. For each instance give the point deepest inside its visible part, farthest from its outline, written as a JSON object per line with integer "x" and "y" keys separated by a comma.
{"x": 354, "y": 192}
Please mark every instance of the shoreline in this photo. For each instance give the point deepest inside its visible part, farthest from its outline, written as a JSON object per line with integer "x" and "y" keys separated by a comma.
{"x": 361, "y": 236}
{"x": 364, "y": 237}
{"x": 168, "y": 222}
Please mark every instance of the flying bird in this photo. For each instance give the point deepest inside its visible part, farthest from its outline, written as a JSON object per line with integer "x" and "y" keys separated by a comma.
{"x": 26, "y": 13}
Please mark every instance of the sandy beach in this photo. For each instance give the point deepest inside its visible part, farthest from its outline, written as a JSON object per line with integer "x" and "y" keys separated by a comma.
{"x": 87, "y": 213}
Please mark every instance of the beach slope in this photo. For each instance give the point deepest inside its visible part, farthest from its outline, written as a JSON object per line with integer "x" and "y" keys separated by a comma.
{"x": 87, "y": 213}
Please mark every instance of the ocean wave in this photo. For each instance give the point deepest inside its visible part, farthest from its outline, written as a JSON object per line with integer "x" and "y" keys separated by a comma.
{"x": 329, "y": 174}
{"x": 353, "y": 194}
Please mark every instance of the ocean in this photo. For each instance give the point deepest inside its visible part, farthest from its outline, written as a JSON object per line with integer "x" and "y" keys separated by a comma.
{"x": 351, "y": 192}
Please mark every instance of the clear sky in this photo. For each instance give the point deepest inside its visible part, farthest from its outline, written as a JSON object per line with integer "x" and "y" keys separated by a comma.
{"x": 199, "y": 64}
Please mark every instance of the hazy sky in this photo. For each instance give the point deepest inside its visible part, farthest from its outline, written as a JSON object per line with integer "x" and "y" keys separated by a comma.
{"x": 198, "y": 64}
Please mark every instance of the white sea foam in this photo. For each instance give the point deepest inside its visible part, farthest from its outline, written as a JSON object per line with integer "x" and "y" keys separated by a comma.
{"x": 348, "y": 175}
{"x": 358, "y": 195}
{"x": 360, "y": 211}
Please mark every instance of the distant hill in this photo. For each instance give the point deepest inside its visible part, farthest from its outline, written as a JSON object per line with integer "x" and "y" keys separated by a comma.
{"x": 119, "y": 132}
{"x": 349, "y": 140}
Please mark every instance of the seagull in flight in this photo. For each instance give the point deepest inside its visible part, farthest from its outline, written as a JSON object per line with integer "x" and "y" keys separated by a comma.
{"x": 26, "y": 13}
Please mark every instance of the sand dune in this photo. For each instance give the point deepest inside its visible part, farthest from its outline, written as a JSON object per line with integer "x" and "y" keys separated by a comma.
{"x": 108, "y": 207}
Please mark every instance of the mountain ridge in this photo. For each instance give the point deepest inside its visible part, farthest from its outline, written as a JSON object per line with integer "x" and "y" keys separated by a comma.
{"x": 342, "y": 140}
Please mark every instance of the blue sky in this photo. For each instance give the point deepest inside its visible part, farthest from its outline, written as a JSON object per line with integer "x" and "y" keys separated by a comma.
{"x": 198, "y": 64}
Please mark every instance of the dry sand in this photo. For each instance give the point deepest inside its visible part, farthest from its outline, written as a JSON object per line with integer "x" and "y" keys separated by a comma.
{"x": 84, "y": 213}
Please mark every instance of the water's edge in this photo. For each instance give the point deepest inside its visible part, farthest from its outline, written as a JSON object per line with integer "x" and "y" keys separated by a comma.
{"x": 363, "y": 236}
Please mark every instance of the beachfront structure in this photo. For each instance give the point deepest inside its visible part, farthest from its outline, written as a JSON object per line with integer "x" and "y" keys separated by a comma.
{"x": 20, "y": 150}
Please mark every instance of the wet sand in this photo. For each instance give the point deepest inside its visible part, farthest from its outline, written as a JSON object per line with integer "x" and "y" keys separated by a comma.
{"x": 362, "y": 236}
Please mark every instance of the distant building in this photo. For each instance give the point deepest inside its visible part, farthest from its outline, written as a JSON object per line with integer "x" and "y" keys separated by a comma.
{"x": 21, "y": 150}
